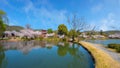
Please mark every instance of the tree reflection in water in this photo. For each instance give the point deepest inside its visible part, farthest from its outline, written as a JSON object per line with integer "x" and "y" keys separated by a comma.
{"x": 75, "y": 51}
{"x": 62, "y": 49}
{"x": 26, "y": 46}
{"x": 3, "y": 60}
{"x": 66, "y": 48}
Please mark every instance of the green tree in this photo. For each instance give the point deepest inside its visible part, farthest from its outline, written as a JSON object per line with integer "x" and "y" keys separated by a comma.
{"x": 62, "y": 29}
{"x": 3, "y": 17}
{"x": 2, "y": 14}
{"x": 50, "y": 31}
{"x": 2, "y": 27}
{"x": 72, "y": 33}
{"x": 3, "y": 21}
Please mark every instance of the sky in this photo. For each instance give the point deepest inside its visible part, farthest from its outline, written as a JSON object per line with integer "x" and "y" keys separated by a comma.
{"x": 44, "y": 14}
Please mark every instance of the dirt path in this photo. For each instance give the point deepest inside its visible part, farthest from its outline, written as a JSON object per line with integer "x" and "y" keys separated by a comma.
{"x": 114, "y": 55}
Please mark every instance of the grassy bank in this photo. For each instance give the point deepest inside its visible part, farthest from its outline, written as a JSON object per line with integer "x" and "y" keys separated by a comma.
{"x": 102, "y": 59}
{"x": 53, "y": 39}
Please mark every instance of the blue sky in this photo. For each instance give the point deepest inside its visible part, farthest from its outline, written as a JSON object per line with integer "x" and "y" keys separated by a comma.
{"x": 44, "y": 14}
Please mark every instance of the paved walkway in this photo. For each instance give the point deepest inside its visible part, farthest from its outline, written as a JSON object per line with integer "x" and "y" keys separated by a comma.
{"x": 114, "y": 55}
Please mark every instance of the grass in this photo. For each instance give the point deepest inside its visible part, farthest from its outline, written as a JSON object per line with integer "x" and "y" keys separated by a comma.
{"x": 102, "y": 59}
{"x": 4, "y": 39}
{"x": 52, "y": 39}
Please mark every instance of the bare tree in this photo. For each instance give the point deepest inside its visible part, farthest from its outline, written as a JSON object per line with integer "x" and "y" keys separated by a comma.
{"x": 28, "y": 26}
{"x": 92, "y": 29}
{"x": 77, "y": 24}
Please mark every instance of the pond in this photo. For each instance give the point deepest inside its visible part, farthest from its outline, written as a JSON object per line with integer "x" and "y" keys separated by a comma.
{"x": 36, "y": 54}
{"x": 105, "y": 42}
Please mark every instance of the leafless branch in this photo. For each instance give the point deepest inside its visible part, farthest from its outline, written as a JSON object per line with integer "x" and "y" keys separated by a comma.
{"x": 76, "y": 23}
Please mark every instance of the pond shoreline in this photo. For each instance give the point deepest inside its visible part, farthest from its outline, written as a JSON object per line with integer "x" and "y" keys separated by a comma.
{"x": 90, "y": 55}
{"x": 102, "y": 59}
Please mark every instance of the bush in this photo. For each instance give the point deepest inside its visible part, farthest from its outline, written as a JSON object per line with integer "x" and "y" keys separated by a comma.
{"x": 114, "y": 46}
{"x": 118, "y": 48}
{"x": 40, "y": 38}
{"x": 64, "y": 39}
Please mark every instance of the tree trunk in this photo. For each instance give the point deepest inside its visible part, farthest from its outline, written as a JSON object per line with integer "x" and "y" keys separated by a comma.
{"x": 73, "y": 38}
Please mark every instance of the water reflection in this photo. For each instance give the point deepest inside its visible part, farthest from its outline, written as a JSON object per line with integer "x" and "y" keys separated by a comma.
{"x": 25, "y": 46}
{"x": 3, "y": 60}
{"x": 77, "y": 52}
{"x": 40, "y": 54}
{"x": 66, "y": 48}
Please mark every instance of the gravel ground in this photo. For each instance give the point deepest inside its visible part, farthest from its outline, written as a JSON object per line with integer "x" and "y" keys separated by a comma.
{"x": 114, "y": 55}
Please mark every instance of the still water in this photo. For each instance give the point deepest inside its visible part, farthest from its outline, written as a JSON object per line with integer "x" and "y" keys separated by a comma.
{"x": 36, "y": 54}
{"x": 105, "y": 42}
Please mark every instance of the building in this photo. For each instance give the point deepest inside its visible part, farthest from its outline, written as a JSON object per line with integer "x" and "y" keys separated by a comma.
{"x": 43, "y": 33}
{"x": 50, "y": 35}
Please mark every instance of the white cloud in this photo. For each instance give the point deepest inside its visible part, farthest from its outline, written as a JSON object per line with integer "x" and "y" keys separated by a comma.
{"x": 97, "y": 8}
{"x": 108, "y": 17}
{"x": 104, "y": 24}
{"x": 28, "y": 7}
{"x": 48, "y": 17}
{"x": 109, "y": 22}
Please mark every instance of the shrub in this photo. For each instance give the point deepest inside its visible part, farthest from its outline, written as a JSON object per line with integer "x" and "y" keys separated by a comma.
{"x": 114, "y": 46}
{"x": 118, "y": 48}
{"x": 40, "y": 38}
{"x": 64, "y": 39}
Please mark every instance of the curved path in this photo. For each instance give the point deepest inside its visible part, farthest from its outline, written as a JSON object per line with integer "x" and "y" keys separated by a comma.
{"x": 103, "y": 57}
{"x": 114, "y": 55}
